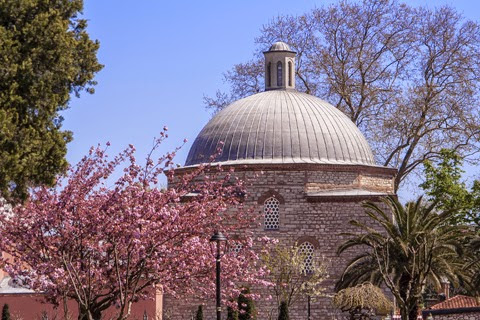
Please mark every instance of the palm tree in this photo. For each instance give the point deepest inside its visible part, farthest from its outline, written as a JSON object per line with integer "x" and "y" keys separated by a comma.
{"x": 404, "y": 248}
{"x": 472, "y": 267}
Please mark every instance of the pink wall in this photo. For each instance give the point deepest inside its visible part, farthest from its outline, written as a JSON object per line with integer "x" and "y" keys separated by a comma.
{"x": 31, "y": 306}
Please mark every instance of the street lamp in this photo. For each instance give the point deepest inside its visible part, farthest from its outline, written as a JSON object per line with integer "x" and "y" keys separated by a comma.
{"x": 218, "y": 237}
{"x": 308, "y": 307}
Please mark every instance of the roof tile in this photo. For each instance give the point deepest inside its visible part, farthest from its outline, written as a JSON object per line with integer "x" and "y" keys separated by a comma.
{"x": 456, "y": 302}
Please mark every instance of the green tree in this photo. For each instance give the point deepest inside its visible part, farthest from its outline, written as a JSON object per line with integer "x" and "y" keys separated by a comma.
{"x": 444, "y": 184}
{"x": 199, "y": 315}
{"x": 246, "y": 306}
{"x": 283, "y": 312}
{"x": 232, "y": 314}
{"x": 45, "y": 56}
{"x": 412, "y": 245}
{"x": 5, "y": 312}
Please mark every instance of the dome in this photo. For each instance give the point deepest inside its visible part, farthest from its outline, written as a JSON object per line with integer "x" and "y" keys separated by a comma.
{"x": 280, "y": 46}
{"x": 280, "y": 127}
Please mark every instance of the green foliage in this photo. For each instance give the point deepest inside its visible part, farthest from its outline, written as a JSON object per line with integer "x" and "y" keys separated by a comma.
{"x": 414, "y": 245}
{"x": 471, "y": 284}
{"x": 5, "y": 312}
{"x": 45, "y": 55}
{"x": 443, "y": 184}
{"x": 363, "y": 299}
{"x": 199, "y": 315}
{"x": 287, "y": 270}
{"x": 283, "y": 312}
{"x": 232, "y": 314}
{"x": 246, "y": 306}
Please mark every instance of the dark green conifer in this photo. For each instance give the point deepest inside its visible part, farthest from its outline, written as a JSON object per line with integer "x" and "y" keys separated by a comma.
{"x": 46, "y": 55}
{"x": 283, "y": 313}
{"x": 199, "y": 313}
{"x": 246, "y": 306}
{"x": 5, "y": 312}
{"x": 232, "y": 314}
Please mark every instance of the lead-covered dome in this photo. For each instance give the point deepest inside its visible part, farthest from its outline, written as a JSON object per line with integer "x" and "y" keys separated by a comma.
{"x": 279, "y": 46}
{"x": 280, "y": 127}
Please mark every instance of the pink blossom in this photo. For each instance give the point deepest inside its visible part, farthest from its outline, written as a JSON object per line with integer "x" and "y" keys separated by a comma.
{"x": 91, "y": 242}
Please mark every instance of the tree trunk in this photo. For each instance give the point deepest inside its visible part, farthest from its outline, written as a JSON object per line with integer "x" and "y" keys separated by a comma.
{"x": 85, "y": 314}
{"x": 413, "y": 314}
{"x": 409, "y": 312}
{"x": 66, "y": 314}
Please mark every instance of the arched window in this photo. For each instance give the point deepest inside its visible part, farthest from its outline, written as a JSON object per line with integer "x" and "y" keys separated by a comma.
{"x": 279, "y": 74}
{"x": 271, "y": 212}
{"x": 290, "y": 73}
{"x": 269, "y": 74}
{"x": 307, "y": 250}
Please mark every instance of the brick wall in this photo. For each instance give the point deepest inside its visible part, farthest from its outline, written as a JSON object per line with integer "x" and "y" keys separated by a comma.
{"x": 324, "y": 221}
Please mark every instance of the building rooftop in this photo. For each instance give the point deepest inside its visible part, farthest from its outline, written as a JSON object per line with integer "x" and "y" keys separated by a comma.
{"x": 279, "y": 127}
{"x": 279, "y": 46}
{"x": 8, "y": 286}
{"x": 458, "y": 301}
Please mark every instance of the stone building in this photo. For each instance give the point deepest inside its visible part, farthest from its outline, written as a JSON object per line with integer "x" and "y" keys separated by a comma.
{"x": 309, "y": 169}
{"x": 315, "y": 169}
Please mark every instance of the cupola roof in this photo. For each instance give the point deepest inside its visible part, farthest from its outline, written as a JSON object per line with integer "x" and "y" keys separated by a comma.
{"x": 280, "y": 46}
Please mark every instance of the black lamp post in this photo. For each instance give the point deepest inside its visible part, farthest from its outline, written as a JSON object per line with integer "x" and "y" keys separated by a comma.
{"x": 308, "y": 307}
{"x": 218, "y": 237}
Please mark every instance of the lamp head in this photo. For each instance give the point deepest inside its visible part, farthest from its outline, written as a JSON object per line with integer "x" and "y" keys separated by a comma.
{"x": 218, "y": 236}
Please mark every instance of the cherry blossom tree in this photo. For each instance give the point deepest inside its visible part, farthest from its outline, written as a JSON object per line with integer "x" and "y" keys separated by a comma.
{"x": 104, "y": 243}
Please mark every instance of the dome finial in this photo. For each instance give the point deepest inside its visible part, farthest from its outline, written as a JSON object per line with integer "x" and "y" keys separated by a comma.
{"x": 279, "y": 67}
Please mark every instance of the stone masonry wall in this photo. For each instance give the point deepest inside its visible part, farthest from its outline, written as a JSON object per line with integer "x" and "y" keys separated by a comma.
{"x": 323, "y": 222}
{"x": 457, "y": 316}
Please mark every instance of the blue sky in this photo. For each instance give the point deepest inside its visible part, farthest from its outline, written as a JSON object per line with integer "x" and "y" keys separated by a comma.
{"x": 162, "y": 56}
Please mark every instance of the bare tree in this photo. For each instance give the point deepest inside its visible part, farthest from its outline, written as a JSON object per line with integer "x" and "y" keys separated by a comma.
{"x": 407, "y": 76}
{"x": 244, "y": 79}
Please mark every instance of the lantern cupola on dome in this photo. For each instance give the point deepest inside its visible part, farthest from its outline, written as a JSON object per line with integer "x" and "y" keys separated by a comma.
{"x": 279, "y": 67}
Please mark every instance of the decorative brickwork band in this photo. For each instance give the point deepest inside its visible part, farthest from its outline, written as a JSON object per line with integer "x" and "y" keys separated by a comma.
{"x": 269, "y": 194}
{"x": 310, "y": 239}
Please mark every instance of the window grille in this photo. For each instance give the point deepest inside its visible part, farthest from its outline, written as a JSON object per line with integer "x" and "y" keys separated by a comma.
{"x": 271, "y": 210}
{"x": 237, "y": 247}
{"x": 307, "y": 250}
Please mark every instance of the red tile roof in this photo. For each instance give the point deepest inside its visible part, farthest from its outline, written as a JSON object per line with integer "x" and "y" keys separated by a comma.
{"x": 456, "y": 302}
